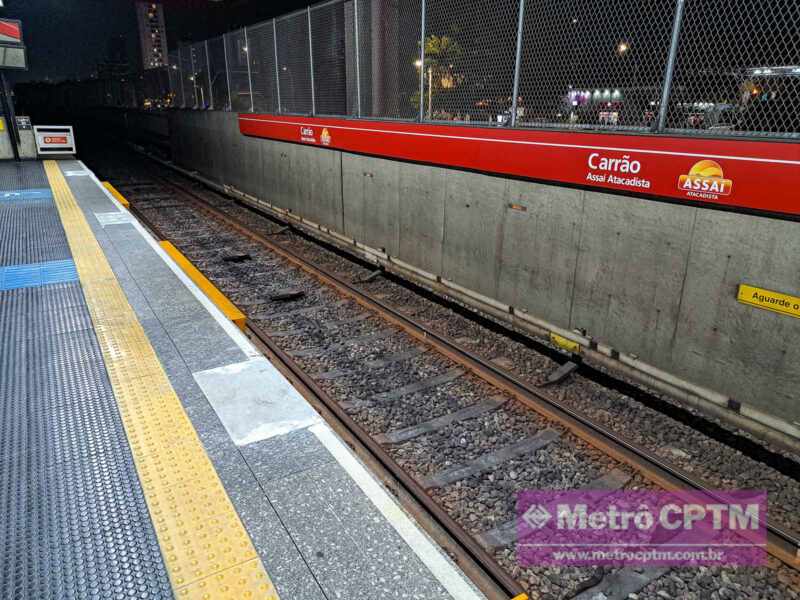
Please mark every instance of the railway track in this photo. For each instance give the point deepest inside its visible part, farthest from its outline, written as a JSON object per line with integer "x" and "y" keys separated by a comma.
{"x": 461, "y": 432}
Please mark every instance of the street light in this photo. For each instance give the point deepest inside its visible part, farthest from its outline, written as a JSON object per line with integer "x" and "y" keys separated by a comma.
{"x": 418, "y": 64}
{"x": 623, "y": 47}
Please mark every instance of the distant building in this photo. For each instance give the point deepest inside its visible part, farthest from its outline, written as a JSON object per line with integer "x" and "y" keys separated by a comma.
{"x": 152, "y": 34}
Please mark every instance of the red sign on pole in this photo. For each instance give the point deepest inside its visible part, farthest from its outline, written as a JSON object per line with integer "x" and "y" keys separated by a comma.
{"x": 12, "y": 50}
{"x": 10, "y": 31}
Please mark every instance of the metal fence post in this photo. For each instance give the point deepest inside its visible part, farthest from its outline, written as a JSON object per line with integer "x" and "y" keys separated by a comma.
{"x": 518, "y": 64}
{"x": 227, "y": 69}
{"x": 670, "y": 70}
{"x": 180, "y": 81}
{"x": 208, "y": 77}
{"x": 358, "y": 61}
{"x": 277, "y": 69}
{"x": 422, "y": 66}
{"x": 311, "y": 62}
{"x": 249, "y": 74}
{"x": 193, "y": 78}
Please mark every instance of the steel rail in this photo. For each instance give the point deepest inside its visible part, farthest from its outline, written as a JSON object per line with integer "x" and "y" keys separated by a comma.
{"x": 782, "y": 544}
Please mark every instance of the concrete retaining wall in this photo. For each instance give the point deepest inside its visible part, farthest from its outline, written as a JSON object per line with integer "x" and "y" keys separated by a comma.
{"x": 652, "y": 279}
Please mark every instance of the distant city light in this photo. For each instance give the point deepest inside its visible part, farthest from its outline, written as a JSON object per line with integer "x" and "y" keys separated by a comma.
{"x": 623, "y": 47}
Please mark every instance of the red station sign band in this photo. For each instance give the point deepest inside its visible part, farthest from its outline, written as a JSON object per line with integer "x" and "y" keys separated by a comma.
{"x": 753, "y": 175}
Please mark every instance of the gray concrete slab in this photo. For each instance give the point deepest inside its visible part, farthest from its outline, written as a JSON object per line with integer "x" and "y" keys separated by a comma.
{"x": 748, "y": 353}
{"x": 371, "y": 199}
{"x": 203, "y": 344}
{"x": 421, "y": 216}
{"x": 630, "y": 272}
{"x": 473, "y": 226}
{"x": 340, "y": 541}
{"x": 539, "y": 248}
{"x": 283, "y": 455}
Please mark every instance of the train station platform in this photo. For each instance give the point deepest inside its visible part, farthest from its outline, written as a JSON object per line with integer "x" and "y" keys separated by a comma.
{"x": 147, "y": 449}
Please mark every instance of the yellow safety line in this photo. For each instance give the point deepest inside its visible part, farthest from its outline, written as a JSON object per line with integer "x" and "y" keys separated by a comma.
{"x": 206, "y": 549}
{"x": 227, "y": 307}
{"x": 114, "y": 192}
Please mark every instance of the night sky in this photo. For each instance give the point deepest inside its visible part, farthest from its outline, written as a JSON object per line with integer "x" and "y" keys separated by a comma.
{"x": 66, "y": 39}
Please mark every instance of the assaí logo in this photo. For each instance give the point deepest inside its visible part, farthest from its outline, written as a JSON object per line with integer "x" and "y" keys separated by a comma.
{"x": 325, "y": 137}
{"x": 706, "y": 181}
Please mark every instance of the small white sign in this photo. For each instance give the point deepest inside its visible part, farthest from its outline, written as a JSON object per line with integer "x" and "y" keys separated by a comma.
{"x": 54, "y": 139}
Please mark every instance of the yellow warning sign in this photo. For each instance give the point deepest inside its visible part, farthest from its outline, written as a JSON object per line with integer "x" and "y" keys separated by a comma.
{"x": 2, "y": 124}
{"x": 769, "y": 300}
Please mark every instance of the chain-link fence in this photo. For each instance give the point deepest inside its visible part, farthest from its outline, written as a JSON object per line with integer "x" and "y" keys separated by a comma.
{"x": 263, "y": 75}
{"x": 187, "y": 77}
{"x": 236, "y": 51}
{"x": 218, "y": 74}
{"x": 602, "y": 68}
{"x": 295, "y": 69}
{"x": 389, "y": 33}
{"x": 689, "y": 67}
{"x": 737, "y": 68}
{"x": 468, "y": 64}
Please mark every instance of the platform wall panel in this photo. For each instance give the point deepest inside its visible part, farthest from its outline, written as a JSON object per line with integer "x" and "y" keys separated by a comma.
{"x": 539, "y": 252}
{"x": 752, "y": 354}
{"x": 631, "y": 266}
{"x": 654, "y": 279}
{"x": 422, "y": 198}
{"x": 473, "y": 230}
{"x": 371, "y": 199}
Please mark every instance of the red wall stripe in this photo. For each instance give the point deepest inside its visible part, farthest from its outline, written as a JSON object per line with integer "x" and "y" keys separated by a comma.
{"x": 755, "y": 175}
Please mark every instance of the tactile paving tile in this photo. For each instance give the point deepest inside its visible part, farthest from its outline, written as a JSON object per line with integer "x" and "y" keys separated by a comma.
{"x": 247, "y": 580}
{"x": 205, "y": 547}
{"x": 74, "y": 523}
{"x": 31, "y": 233}
{"x": 37, "y": 274}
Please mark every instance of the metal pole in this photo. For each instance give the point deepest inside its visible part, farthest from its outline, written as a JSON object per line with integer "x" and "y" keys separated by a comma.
{"x": 311, "y": 60}
{"x": 277, "y": 71}
{"x": 8, "y": 111}
{"x": 670, "y": 71}
{"x": 517, "y": 64}
{"x": 208, "y": 78}
{"x": 227, "y": 70}
{"x": 430, "y": 91}
{"x": 358, "y": 61}
{"x": 194, "y": 77}
{"x": 422, "y": 66}
{"x": 249, "y": 74}
{"x": 180, "y": 80}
